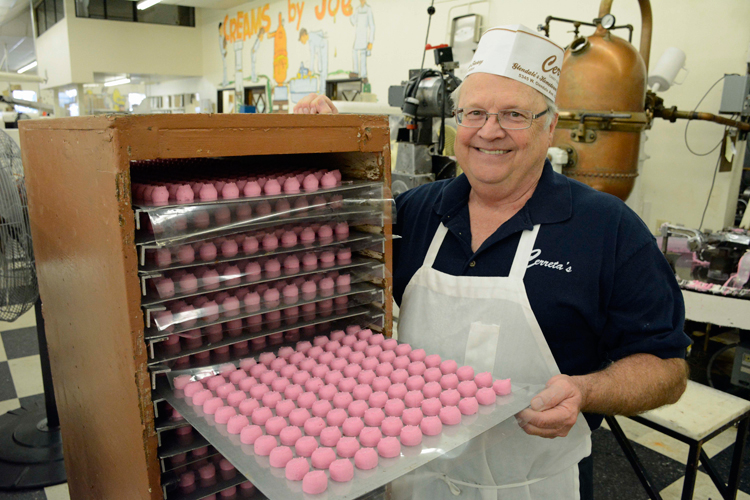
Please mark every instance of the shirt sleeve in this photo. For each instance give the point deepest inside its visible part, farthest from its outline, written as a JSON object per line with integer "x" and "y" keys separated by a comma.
{"x": 645, "y": 312}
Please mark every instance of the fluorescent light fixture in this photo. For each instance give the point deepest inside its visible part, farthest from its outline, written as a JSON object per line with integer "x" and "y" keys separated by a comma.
{"x": 29, "y": 66}
{"x": 145, "y": 4}
{"x": 120, "y": 81}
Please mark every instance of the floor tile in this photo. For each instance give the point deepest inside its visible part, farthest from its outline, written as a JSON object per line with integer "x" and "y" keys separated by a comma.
{"x": 7, "y": 388}
{"x": 58, "y": 492}
{"x": 23, "y": 495}
{"x": 20, "y": 343}
{"x": 27, "y": 375}
{"x": 720, "y": 442}
{"x": 10, "y": 404}
{"x": 27, "y": 319}
{"x": 3, "y": 356}
{"x": 614, "y": 478}
{"x": 704, "y": 490}
{"x": 661, "y": 443}
{"x": 722, "y": 462}
{"x": 36, "y": 399}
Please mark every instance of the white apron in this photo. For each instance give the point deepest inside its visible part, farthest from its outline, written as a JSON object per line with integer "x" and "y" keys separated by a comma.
{"x": 487, "y": 323}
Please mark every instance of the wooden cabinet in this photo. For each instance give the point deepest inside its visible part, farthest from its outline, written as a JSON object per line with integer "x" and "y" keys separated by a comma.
{"x": 78, "y": 175}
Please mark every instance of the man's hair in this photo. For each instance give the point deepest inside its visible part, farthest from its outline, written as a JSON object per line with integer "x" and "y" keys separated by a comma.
{"x": 547, "y": 118}
{"x": 302, "y": 33}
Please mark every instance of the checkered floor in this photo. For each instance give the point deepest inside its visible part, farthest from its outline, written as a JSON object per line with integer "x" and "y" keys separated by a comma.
{"x": 663, "y": 457}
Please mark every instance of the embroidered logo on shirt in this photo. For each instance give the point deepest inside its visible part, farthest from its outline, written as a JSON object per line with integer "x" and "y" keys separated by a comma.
{"x": 557, "y": 266}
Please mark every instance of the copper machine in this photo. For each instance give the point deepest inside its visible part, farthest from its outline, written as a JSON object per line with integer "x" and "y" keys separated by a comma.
{"x": 604, "y": 103}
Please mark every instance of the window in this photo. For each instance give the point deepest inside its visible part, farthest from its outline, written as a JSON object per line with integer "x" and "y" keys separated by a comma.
{"x": 26, "y": 95}
{"x": 47, "y": 13}
{"x": 126, "y": 10}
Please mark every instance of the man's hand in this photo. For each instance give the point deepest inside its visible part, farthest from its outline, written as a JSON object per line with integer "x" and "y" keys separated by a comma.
{"x": 554, "y": 411}
{"x": 315, "y": 104}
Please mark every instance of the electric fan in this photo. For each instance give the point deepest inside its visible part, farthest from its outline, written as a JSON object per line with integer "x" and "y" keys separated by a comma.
{"x": 30, "y": 444}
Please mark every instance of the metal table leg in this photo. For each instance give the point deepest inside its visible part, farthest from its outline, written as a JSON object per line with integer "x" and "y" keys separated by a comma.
{"x": 739, "y": 448}
{"x": 633, "y": 458}
{"x": 691, "y": 471}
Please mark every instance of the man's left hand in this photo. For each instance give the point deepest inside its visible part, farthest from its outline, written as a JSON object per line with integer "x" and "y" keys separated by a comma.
{"x": 554, "y": 411}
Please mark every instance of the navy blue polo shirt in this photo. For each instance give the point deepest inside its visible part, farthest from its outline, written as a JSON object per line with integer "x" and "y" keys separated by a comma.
{"x": 598, "y": 285}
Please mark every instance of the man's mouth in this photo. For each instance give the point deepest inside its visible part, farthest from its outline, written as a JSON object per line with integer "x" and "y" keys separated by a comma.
{"x": 493, "y": 151}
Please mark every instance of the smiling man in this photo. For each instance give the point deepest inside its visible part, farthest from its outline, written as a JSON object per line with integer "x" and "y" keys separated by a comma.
{"x": 516, "y": 270}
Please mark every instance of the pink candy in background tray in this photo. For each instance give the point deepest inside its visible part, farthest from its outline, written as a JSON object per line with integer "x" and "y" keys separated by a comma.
{"x": 343, "y": 407}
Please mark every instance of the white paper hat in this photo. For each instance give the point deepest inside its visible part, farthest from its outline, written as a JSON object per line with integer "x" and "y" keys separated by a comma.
{"x": 517, "y": 52}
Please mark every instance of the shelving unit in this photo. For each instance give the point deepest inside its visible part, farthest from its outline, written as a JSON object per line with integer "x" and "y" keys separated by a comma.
{"x": 105, "y": 359}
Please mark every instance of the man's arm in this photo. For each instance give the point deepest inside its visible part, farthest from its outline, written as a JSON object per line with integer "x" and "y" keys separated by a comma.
{"x": 632, "y": 385}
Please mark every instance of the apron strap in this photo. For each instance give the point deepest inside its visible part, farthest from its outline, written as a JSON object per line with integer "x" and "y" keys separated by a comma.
{"x": 523, "y": 253}
{"x": 437, "y": 240}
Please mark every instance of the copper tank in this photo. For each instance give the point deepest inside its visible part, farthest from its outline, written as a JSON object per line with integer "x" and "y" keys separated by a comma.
{"x": 602, "y": 96}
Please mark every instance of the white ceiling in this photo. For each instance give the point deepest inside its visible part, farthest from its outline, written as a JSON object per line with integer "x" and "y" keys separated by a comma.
{"x": 16, "y": 35}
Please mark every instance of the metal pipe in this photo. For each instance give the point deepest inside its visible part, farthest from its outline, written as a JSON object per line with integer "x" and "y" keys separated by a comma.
{"x": 673, "y": 114}
{"x": 646, "y": 28}
{"x": 19, "y": 77}
{"x": 646, "y": 25}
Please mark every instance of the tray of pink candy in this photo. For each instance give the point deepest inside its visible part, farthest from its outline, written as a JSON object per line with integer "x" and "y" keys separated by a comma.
{"x": 341, "y": 416}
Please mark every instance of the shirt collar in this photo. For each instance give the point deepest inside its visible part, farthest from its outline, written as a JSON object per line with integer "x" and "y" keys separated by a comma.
{"x": 550, "y": 203}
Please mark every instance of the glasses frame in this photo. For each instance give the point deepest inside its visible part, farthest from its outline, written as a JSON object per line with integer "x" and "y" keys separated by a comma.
{"x": 487, "y": 115}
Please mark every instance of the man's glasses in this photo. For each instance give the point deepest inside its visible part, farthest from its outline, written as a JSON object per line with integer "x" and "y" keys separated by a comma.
{"x": 509, "y": 119}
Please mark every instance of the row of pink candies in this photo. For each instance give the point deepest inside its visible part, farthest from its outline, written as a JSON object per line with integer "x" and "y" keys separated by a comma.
{"x": 206, "y": 476}
{"x": 242, "y": 348}
{"x": 232, "y": 274}
{"x": 211, "y": 307}
{"x": 248, "y": 244}
{"x": 202, "y": 217}
{"x": 229, "y": 188}
{"x": 194, "y": 339}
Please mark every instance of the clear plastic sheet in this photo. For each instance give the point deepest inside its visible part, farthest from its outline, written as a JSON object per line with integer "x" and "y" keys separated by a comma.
{"x": 250, "y": 245}
{"x": 235, "y": 304}
{"x": 271, "y": 481}
{"x": 170, "y": 224}
{"x": 187, "y": 282}
{"x": 235, "y": 345}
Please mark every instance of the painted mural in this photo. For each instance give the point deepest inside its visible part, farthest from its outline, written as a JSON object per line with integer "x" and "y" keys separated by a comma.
{"x": 296, "y": 47}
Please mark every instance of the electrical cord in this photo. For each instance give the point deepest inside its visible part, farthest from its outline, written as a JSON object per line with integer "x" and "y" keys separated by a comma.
{"x": 710, "y": 191}
{"x": 713, "y": 358}
{"x": 690, "y": 121}
{"x": 713, "y": 180}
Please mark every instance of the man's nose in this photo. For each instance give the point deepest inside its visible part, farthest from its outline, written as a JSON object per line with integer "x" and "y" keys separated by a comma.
{"x": 492, "y": 128}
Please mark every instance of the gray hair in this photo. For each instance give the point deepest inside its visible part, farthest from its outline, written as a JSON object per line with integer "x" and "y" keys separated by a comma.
{"x": 456, "y": 94}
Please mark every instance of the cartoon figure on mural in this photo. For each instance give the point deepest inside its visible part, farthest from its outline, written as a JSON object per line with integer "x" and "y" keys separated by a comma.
{"x": 364, "y": 25}
{"x": 253, "y": 54}
{"x": 318, "y": 42}
{"x": 280, "y": 55}
{"x": 223, "y": 50}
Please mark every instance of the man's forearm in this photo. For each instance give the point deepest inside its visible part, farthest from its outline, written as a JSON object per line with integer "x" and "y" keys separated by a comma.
{"x": 633, "y": 385}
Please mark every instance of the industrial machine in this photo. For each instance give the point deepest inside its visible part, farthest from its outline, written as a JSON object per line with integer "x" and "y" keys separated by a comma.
{"x": 605, "y": 105}
{"x": 424, "y": 97}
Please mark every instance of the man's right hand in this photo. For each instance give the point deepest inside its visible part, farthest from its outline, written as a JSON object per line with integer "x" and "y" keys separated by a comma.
{"x": 315, "y": 104}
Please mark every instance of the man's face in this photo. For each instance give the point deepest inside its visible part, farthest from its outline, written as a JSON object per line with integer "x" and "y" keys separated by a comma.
{"x": 362, "y": 2}
{"x": 491, "y": 156}
{"x": 304, "y": 38}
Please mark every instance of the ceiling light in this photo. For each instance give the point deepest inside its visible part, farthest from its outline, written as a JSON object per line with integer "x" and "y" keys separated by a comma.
{"x": 145, "y": 4}
{"x": 120, "y": 81}
{"x": 29, "y": 66}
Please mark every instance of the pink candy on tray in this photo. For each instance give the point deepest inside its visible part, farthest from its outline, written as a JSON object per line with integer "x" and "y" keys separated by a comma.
{"x": 338, "y": 419}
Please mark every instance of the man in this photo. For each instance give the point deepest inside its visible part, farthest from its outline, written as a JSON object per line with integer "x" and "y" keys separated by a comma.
{"x": 364, "y": 35}
{"x": 516, "y": 270}
{"x": 223, "y": 52}
{"x": 318, "y": 51}
{"x": 254, "y": 54}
